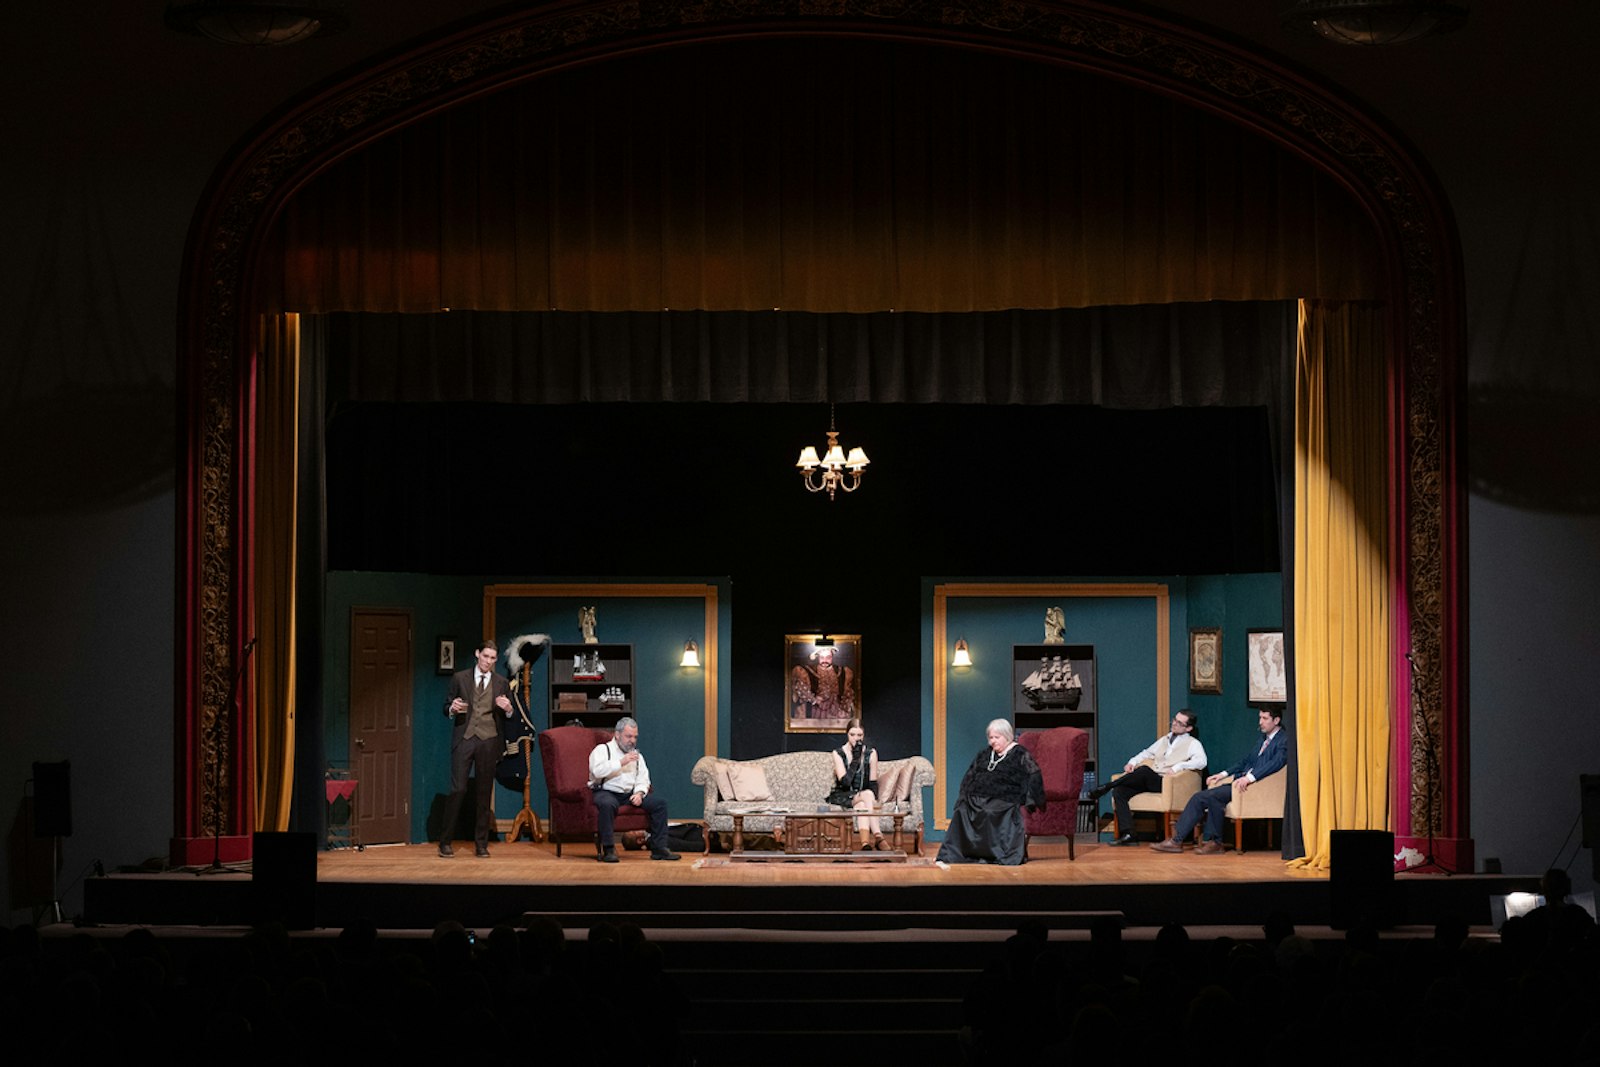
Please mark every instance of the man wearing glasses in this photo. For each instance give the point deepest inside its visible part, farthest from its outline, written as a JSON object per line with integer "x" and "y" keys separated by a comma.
{"x": 1172, "y": 753}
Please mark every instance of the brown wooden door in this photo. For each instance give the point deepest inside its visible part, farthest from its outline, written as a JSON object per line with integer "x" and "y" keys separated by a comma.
{"x": 380, "y": 722}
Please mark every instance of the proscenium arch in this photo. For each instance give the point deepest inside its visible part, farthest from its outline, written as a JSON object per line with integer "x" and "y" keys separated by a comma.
{"x": 1421, "y": 287}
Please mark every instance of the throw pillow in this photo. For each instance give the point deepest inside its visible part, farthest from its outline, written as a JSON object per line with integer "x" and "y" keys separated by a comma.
{"x": 903, "y": 785}
{"x": 724, "y": 782}
{"x": 749, "y": 782}
{"x": 888, "y": 781}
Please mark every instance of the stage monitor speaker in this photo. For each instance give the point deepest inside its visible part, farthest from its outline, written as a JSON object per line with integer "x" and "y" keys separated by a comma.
{"x": 52, "y": 799}
{"x": 284, "y": 873}
{"x": 1361, "y": 878}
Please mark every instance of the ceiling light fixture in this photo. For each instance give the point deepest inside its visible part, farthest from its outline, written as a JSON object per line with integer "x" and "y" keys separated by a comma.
{"x": 1374, "y": 22}
{"x": 833, "y": 465}
{"x": 255, "y": 23}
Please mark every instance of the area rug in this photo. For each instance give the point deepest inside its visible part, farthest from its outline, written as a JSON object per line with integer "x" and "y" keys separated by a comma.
{"x": 710, "y": 862}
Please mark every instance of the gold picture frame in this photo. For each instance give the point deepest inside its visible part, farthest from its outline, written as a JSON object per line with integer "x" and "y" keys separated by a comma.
{"x": 821, "y": 682}
{"x": 1205, "y": 659}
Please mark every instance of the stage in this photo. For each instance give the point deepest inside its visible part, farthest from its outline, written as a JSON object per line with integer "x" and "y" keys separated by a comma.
{"x": 411, "y": 887}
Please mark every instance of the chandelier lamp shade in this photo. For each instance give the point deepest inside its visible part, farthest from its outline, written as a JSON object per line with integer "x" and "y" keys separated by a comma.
{"x": 691, "y": 655}
{"x": 256, "y": 23}
{"x": 835, "y": 470}
{"x": 1374, "y": 22}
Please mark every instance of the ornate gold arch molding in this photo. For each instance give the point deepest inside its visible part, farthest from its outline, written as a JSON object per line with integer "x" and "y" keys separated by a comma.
{"x": 1409, "y": 211}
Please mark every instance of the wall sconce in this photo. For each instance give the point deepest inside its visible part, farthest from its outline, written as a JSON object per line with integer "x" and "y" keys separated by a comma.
{"x": 962, "y": 658}
{"x": 691, "y": 655}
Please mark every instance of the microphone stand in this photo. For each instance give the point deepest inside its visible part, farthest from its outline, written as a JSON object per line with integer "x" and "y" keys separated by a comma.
{"x": 1431, "y": 756}
{"x": 217, "y": 866}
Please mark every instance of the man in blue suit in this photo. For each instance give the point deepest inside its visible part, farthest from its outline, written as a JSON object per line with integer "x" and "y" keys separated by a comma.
{"x": 1208, "y": 804}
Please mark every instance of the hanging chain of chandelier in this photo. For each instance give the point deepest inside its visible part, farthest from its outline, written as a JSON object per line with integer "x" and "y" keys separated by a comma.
{"x": 835, "y": 470}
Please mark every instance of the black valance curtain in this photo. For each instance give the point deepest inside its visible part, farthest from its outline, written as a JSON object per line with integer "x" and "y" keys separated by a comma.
{"x": 826, "y": 175}
{"x": 1169, "y": 355}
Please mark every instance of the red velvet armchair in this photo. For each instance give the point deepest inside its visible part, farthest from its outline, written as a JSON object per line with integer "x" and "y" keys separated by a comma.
{"x": 1060, "y": 754}
{"x": 564, "y": 751}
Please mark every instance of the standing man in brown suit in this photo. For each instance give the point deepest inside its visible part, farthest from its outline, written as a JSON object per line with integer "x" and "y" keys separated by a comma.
{"x": 477, "y": 702}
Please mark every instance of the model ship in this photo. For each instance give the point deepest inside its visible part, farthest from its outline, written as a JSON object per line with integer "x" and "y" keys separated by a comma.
{"x": 1054, "y": 685}
{"x": 586, "y": 667}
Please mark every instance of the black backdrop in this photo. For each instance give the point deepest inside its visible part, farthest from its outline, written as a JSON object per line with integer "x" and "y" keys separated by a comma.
{"x": 665, "y": 490}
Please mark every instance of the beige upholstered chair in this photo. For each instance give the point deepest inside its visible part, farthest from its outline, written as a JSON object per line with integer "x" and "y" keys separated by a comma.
{"x": 1175, "y": 792}
{"x": 1263, "y": 800}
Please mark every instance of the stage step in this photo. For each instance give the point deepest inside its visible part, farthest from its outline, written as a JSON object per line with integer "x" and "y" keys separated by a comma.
{"x": 810, "y": 1046}
{"x": 836, "y": 920}
{"x": 786, "y": 1011}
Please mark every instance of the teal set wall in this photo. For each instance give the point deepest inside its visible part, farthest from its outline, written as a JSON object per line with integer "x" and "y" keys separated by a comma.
{"x": 1123, "y": 632}
{"x": 1238, "y": 603}
{"x": 670, "y": 700}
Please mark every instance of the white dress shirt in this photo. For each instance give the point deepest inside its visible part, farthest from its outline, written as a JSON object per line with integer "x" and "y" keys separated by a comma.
{"x": 607, "y": 772}
{"x": 1167, "y": 756}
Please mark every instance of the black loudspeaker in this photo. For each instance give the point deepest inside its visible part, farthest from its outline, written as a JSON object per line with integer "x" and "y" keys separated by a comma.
{"x": 1361, "y": 878}
{"x": 1589, "y": 789}
{"x": 284, "y": 872}
{"x": 52, "y": 799}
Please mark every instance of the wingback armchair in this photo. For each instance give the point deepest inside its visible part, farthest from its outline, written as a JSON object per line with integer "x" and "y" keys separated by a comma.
{"x": 1176, "y": 789}
{"x": 564, "y": 751}
{"x": 1263, "y": 800}
{"x": 1060, "y": 753}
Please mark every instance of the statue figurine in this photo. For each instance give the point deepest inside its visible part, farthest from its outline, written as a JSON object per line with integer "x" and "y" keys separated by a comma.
{"x": 586, "y": 625}
{"x": 1055, "y": 627}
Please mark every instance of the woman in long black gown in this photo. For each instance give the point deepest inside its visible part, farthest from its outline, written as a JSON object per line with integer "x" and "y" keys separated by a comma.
{"x": 987, "y": 824}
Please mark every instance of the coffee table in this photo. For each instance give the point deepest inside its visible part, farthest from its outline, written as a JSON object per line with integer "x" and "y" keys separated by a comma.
{"x": 819, "y": 835}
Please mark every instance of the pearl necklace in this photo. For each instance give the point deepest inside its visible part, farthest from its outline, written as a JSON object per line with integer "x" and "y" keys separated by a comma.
{"x": 994, "y": 760}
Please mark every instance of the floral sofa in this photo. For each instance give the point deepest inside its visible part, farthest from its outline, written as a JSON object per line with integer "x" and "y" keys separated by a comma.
{"x": 801, "y": 781}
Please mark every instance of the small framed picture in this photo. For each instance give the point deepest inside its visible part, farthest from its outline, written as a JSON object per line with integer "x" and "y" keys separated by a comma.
{"x": 822, "y": 682}
{"x": 1205, "y": 659}
{"x": 1269, "y": 676}
{"x": 447, "y": 656}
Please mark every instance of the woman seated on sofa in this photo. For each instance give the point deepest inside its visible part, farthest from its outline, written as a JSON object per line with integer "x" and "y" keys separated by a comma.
{"x": 987, "y": 825}
{"x": 855, "y": 783}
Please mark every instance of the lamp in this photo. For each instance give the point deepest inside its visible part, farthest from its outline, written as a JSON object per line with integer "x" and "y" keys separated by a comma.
{"x": 962, "y": 658}
{"x": 1374, "y": 22}
{"x": 256, "y": 23}
{"x": 833, "y": 464}
{"x": 691, "y": 655}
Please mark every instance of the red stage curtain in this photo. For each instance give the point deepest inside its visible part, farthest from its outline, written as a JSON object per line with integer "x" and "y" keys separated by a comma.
{"x": 816, "y": 175}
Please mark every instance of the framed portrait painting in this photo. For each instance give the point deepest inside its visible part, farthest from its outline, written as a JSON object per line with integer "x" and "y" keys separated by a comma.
{"x": 1205, "y": 659}
{"x": 1269, "y": 676}
{"x": 822, "y": 682}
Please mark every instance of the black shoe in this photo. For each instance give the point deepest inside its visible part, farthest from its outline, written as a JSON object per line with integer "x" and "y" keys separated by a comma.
{"x": 664, "y": 854}
{"x": 609, "y": 856}
{"x": 445, "y": 849}
{"x": 482, "y": 852}
{"x": 1125, "y": 840}
{"x": 1099, "y": 791}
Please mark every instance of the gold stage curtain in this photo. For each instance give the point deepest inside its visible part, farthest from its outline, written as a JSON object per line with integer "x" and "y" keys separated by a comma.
{"x": 276, "y": 481}
{"x": 826, "y": 175}
{"x": 1341, "y": 574}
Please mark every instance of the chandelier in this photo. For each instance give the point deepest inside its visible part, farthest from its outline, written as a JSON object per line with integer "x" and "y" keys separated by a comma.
{"x": 257, "y": 23}
{"x": 833, "y": 465}
{"x": 1374, "y": 22}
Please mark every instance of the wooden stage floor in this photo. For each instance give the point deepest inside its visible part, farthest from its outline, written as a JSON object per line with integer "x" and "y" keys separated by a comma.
{"x": 412, "y": 887}
{"x": 524, "y": 863}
